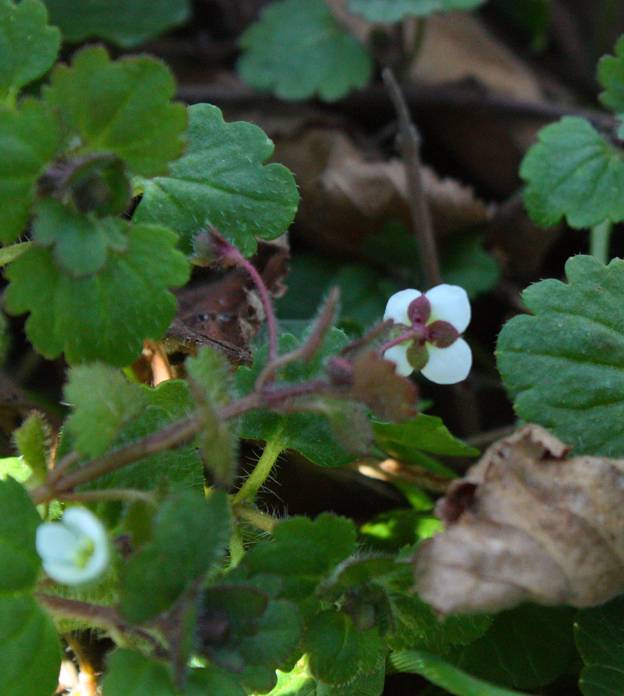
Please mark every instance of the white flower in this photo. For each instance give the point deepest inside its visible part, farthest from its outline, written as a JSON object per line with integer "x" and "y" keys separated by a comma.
{"x": 433, "y": 324}
{"x": 74, "y": 550}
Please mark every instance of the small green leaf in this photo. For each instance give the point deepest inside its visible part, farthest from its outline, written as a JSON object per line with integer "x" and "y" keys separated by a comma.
{"x": 32, "y": 439}
{"x": 600, "y": 640}
{"x": 213, "y": 680}
{"x": 18, "y": 524}
{"x": 16, "y": 468}
{"x": 444, "y": 675}
{"x": 127, "y": 23}
{"x": 131, "y": 674}
{"x": 103, "y": 401}
{"x": 337, "y": 650}
{"x": 573, "y": 172}
{"x": 29, "y": 139}
{"x": 302, "y": 552}
{"x": 222, "y": 181}
{"x": 30, "y": 653}
{"x": 611, "y": 77}
{"x": 525, "y": 648}
{"x": 564, "y": 366}
{"x": 309, "y": 434}
{"x": 396, "y": 10}
{"x": 28, "y": 46}
{"x": 173, "y": 559}
{"x": 298, "y": 49}
{"x": 210, "y": 371}
{"x": 105, "y": 316}
{"x": 121, "y": 107}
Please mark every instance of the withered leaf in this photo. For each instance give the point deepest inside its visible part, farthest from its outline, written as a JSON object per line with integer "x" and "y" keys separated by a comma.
{"x": 526, "y": 524}
{"x": 376, "y": 383}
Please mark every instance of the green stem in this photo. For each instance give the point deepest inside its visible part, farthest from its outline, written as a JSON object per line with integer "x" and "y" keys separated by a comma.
{"x": 599, "y": 241}
{"x": 256, "y": 518}
{"x": 11, "y": 252}
{"x": 262, "y": 470}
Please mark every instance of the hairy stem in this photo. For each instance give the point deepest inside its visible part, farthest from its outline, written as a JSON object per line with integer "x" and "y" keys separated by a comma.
{"x": 599, "y": 241}
{"x": 273, "y": 448}
{"x": 256, "y": 518}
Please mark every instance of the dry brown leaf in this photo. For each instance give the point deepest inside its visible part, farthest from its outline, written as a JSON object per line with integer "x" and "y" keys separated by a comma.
{"x": 525, "y": 524}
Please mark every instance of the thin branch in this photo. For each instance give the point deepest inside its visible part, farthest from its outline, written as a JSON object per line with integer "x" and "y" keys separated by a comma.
{"x": 419, "y": 208}
{"x": 112, "y": 494}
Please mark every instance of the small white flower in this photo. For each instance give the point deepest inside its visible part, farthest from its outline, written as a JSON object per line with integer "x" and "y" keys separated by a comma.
{"x": 433, "y": 323}
{"x": 74, "y": 550}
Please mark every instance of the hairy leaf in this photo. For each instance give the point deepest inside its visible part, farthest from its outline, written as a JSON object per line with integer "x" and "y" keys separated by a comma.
{"x": 29, "y": 139}
{"x": 122, "y": 107}
{"x": 563, "y": 366}
{"x": 30, "y": 653}
{"x": 103, "y": 401}
{"x": 444, "y": 675}
{"x": 190, "y": 535}
{"x": 131, "y": 674}
{"x": 28, "y": 46}
{"x": 18, "y": 523}
{"x": 127, "y": 23}
{"x": 494, "y": 555}
{"x": 222, "y": 181}
{"x": 105, "y": 316}
{"x": 573, "y": 172}
{"x": 396, "y": 10}
{"x": 32, "y": 440}
{"x": 322, "y": 58}
{"x": 600, "y": 640}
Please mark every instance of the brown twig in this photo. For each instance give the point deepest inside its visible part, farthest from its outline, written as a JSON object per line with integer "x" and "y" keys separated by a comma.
{"x": 422, "y": 225}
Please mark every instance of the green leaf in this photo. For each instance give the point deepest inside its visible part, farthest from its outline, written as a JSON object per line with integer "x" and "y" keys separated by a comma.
{"x": 307, "y": 433}
{"x": 573, "y": 172}
{"x": 18, "y": 524}
{"x": 105, "y": 316}
{"x": 337, "y": 650}
{"x": 467, "y": 264}
{"x": 28, "y": 46}
{"x": 298, "y": 49}
{"x": 222, "y": 181}
{"x": 179, "y": 467}
{"x": 444, "y": 675}
{"x": 611, "y": 77}
{"x": 302, "y": 552}
{"x": 103, "y": 401}
{"x": 32, "y": 439}
{"x": 525, "y": 648}
{"x": 174, "y": 559}
{"x": 600, "y": 640}
{"x": 131, "y": 674}
{"x": 127, "y": 23}
{"x": 29, "y": 139}
{"x": 396, "y": 10}
{"x": 30, "y": 654}
{"x": 16, "y": 468}
{"x": 564, "y": 365}
{"x": 121, "y": 107}
{"x": 210, "y": 371}
{"x": 212, "y": 681}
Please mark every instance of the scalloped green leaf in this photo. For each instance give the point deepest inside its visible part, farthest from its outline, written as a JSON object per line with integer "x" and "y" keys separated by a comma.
{"x": 396, "y": 10}
{"x": 29, "y": 139}
{"x": 131, "y": 674}
{"x": 121, "y": 107}
{"x": 30, "y": 652}
{"x": 190, "y": 535}
{"x": 127, "y": 23}
{"x": 102, "y": 401}
{"x": 309, "y": 434}
{"x": 28, "y": 46}
{"x": 599, "y": 636}
{"x": 297, "y": 50}
{"x": 564, "y": 365}
{"x": 222, "y": 181}
{"x": 18, "y": 524}
{"x": 105, "y": 316}
{"x": 573, "y": 172}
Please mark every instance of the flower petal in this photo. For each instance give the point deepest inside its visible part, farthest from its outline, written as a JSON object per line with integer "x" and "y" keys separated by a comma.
{"x": 450, "y": 303}
{"x": 65, "y": 573}
{"x": 448, "y": 365}
{"x": 54, "y": 542}
{"x": 396, "y": 309}
{"x": 398, "y": 355}
{"x": 84, "y": 523}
